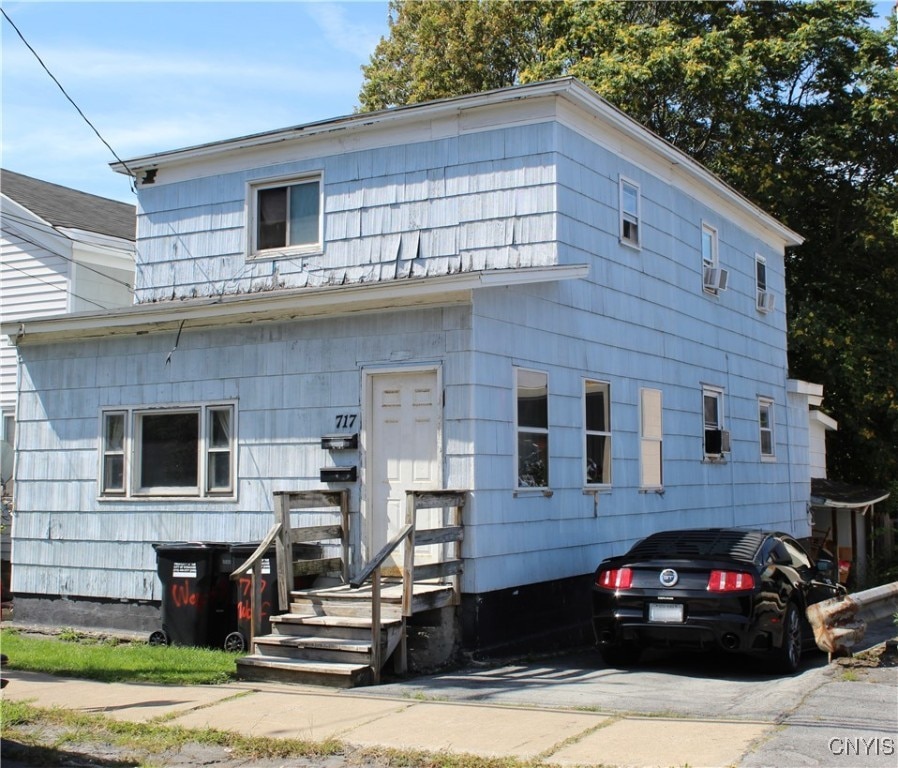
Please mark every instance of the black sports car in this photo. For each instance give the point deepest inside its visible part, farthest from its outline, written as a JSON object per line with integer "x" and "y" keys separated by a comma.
{"x": 744, "y": 591}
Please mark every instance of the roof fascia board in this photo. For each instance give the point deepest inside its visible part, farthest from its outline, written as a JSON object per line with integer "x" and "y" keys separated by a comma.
{"x": 428, "y": 111}
{"x": 297, "y": 304}
{"x": 26, "y": 224}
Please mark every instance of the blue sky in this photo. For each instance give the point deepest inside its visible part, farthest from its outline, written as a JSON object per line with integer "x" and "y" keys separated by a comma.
{"x": 156, "y": 76}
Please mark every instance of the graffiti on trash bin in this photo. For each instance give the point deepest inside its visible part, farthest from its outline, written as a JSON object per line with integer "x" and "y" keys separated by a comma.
{"x": 244, "y": 603}
{"x": 183, "y": 595}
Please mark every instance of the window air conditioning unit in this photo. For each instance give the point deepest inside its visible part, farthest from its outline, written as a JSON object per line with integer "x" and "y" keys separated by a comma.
{"x": 717, "y": 442}
{"x": 715, "y": 279}
{"x": 766, "y": 301}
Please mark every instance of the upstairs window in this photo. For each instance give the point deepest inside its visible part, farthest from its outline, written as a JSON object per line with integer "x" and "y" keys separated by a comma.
{"x": 765, "y": 299}
{"x": 714, "y": 279}
{"x": 287, "y": 216}
{"x": 173, "y": 452}
{"x": 765, "y": 428}
{"x": 532, "y": 392}
{"x": 597, "y": 420}
{"x": 717, "y": 439}
{"x": 629, "y": 212}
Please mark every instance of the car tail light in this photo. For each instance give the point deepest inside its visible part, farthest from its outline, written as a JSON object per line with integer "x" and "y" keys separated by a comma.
{"x": 616, "y": 578}
{"x": 730, "y": 581}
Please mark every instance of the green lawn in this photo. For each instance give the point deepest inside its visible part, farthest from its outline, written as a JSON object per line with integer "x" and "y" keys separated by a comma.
{"x": 74, "y": 655}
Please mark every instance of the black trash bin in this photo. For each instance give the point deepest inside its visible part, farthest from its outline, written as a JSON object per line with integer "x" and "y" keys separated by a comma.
{"x": 196, "y": 593}
{"x": 238, "y": 640}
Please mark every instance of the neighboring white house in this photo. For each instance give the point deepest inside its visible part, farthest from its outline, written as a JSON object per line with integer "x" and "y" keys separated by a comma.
{"x": 61, "y": 251}
{"x": 521, "y": 294}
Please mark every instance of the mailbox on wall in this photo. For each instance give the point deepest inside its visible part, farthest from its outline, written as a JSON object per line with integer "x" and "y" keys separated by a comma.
{"x": 340, "y": 442}
{"x": 339, "y": 474}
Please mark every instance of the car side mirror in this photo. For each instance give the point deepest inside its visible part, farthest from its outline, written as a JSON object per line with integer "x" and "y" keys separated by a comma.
{"x": 824, "y": 566}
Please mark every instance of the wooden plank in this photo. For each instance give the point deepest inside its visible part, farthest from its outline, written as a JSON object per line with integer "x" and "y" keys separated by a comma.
{"x": 299, "y": 500}
{"x": 316, "y": 532}
{"x": 439, "y": 535}
{"x": 438, "y": 570}
{"x": 434, "y": 499}
{"x": 314, "y": 567}
{"x": 282, "y": 548}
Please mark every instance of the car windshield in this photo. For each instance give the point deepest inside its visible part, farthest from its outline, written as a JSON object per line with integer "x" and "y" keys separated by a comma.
{"x": 700, "y": 544}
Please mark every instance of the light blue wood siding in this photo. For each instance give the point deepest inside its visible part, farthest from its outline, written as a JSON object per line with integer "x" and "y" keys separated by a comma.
{"x": 479, "y": 201}
{"x": 540, "y": 194}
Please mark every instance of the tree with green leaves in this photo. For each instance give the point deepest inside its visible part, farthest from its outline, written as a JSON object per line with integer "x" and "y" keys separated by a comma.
{"x": 795, "y": 104}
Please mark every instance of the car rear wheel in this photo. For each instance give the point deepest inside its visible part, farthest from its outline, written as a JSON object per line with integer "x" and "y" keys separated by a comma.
{"x": 787, "y": 657}
{"x": 620, "y": 655}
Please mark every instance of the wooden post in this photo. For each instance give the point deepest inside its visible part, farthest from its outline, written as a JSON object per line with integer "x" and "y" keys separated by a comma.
{"x": 376, "y": 661}
{"x": 255, "y": 604}
{"x": 284, "y": 549}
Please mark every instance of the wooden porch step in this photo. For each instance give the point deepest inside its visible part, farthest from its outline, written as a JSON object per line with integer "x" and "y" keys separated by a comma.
{"x": 354, "y": 628}
{"x": 333, "y": 649}
{"x": 281, "y": 669}
{"x": 347, "y": 601}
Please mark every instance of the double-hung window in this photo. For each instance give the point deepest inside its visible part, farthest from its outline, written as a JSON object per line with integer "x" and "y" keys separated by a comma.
{"x": 714, "y": 279}
{"x": 597, "y": 422}
{"x": 532, "y": 395}
{"x": 183, "y": 451}
{"x": 765, "y": 428}
{"x": 286, "y": 216}
{"x": 717, "y": 439}
{"x": 629, "y": 212}
{"x": 765, "y": 299}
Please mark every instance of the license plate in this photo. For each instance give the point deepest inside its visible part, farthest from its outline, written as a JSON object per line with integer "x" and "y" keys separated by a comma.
{"x": 666, "y": 613}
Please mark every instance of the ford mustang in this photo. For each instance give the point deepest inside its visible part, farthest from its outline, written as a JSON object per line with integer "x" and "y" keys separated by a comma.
{"x": 743, "y": 591}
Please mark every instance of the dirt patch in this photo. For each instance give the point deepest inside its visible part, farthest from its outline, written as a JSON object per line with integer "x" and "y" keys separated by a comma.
{"x": 881, "y": 656}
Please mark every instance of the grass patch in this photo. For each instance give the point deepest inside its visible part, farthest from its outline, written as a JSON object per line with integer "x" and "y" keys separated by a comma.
{"x": 71, "y": 654}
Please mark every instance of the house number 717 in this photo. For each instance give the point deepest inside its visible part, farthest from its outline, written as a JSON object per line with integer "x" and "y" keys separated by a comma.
{"x": 346, "y": 420}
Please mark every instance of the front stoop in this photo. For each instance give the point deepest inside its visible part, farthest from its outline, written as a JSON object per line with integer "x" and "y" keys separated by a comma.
{"x": 326, "y": 637}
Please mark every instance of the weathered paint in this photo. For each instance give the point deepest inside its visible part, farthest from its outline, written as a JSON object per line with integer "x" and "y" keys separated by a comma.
{"x": 504, "y": 197}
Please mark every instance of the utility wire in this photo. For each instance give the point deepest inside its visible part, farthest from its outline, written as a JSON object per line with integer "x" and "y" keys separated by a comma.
{"x": 79, "y": 264}
{"x": 70, "y": 99}
{"x": 56, "y": 287}
{"x": 52, "y": 230}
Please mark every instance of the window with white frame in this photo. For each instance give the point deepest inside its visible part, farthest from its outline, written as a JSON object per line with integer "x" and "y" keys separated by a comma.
{"x": 651, "y": 437}
{"x": 183, "y": 451}
{"x": 717, "y": 439}
{"x": 532, "y": 395}
{"x": 765, "y": 299}
{"x": 765, "y": 427}
{"x": 629, "y": 212}
{"x": 714, "y": 279}
{"x": 597, "y": 423}
{"x": 286, "y": 216}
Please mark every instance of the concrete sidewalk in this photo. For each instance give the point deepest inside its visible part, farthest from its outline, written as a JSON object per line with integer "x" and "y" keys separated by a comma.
{"x": 558, "y": 736}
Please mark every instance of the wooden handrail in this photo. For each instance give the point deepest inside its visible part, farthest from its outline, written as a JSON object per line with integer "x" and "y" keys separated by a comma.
{"x": 260, "y": 551}
{"x": 254, "y": 562}
{"x": 378, "y": 560}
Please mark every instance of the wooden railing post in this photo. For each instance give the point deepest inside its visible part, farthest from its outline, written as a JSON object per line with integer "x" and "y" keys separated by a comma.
{"x": 376, "y": 649}
{"x": 284, "y": 549}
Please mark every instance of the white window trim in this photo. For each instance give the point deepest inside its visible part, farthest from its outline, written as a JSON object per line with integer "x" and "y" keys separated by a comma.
{"x": 764, "y": 299}
{"x": 606, "y": 434}
{"x": 645, "y": 438}
{"x": 536, "y": 430}
{"x": 252, "y": 189}
{"x": 623, "y": 182}
{"x": 770, "y": 404}
{"x": 718, "y": 393}
{"x": 712, "y": 263}
{"x": 131, "y": 452}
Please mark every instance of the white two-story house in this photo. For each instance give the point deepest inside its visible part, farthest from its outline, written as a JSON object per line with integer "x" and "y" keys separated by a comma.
{"x": 521, "y": 294}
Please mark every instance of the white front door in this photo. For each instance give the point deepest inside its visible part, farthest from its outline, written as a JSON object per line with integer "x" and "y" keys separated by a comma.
{"x": 403, "y": 451}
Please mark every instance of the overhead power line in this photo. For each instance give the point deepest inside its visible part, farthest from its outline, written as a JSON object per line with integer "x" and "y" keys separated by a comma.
{"x": 70, "y": 99}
